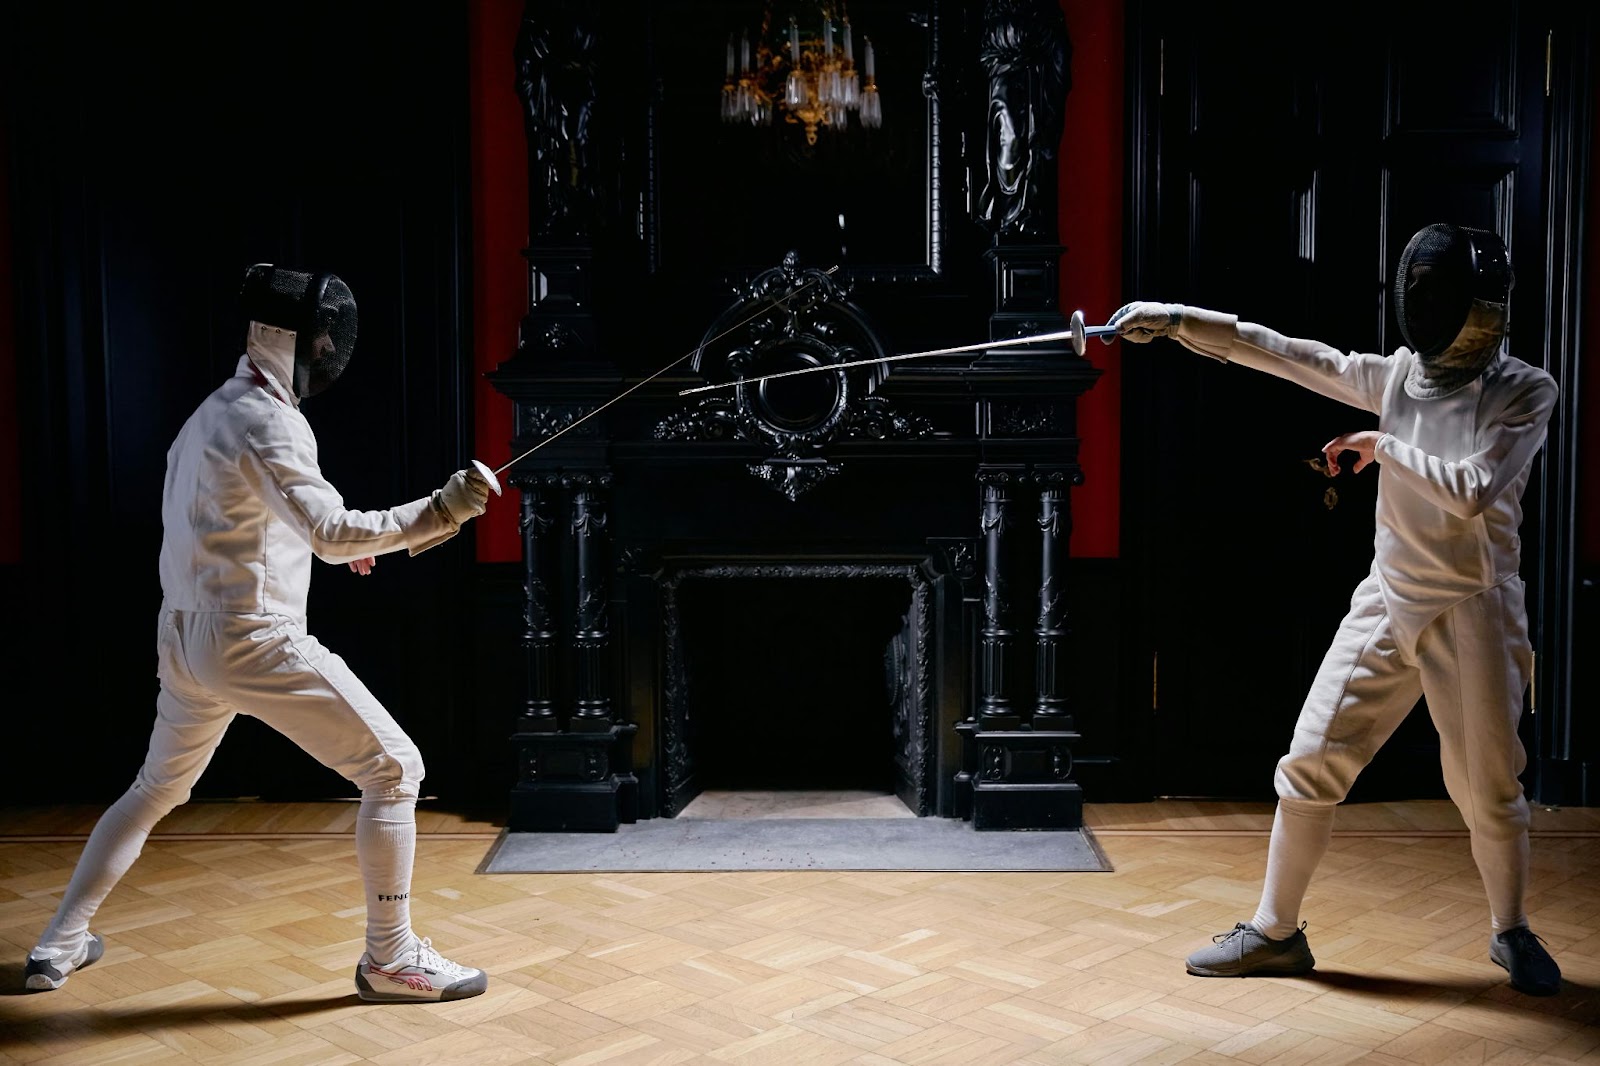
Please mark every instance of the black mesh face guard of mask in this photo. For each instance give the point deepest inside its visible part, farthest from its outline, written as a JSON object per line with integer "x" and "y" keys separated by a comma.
{"x": 1442, "y": 270}
{"x": 319, "y": 308}
{"x": 322, "y": 351}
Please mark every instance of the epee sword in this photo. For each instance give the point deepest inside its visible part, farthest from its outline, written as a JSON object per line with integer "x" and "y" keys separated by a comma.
{"x": 1077, "y": 333}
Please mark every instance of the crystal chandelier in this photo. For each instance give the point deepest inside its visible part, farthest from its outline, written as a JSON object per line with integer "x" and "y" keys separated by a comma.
{"x": 811, "y": 76}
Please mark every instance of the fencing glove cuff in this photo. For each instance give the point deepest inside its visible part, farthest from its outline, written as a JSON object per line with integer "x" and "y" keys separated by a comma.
{"x": 464, "y": 497}
{"x": 1210, "y": 333}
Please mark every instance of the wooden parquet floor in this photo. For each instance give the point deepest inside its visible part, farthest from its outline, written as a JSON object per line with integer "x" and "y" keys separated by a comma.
{"x": 234, "y": 938}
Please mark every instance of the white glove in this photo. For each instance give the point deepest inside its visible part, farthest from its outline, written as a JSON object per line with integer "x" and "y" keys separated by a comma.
{"x": 463, "y": 497}
{"x": 1143, "y": 320}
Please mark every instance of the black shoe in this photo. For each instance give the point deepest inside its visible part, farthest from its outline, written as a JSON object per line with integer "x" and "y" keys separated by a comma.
{"x": 1521, "y": 953}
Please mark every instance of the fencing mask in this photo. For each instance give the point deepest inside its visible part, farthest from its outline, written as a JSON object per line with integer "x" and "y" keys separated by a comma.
{"x": 321, "y": 311}
{"x": 1450, "y": 293}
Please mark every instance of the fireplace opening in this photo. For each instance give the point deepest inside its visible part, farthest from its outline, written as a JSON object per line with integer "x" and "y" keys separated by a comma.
{"x": 798, "y": 682}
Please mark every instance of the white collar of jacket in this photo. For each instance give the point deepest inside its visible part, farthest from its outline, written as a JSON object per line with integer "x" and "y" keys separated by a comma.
{"x": 1459, "y": 365}
{"x": 271, "y": 351}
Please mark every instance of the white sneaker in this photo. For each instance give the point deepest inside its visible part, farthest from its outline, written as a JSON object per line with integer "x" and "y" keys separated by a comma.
{"x": 419, "y": 975}
{"x": 48, "y": 968}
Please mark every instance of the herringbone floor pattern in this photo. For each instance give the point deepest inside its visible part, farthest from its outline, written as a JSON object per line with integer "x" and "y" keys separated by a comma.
{"x": 233, "y": 939}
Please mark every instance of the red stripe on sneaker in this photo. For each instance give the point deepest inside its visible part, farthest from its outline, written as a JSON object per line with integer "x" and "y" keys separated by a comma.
{"x": 414, "y": 981}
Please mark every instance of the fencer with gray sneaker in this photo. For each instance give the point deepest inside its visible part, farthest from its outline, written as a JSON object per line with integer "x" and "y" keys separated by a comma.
{"x": 1441, "y": 613}
{"x": 1243, "y": 951}
{"x": 244, "y": 511}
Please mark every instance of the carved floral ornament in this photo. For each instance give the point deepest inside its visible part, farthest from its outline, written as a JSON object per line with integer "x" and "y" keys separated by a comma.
{"x": 790, "y": 317}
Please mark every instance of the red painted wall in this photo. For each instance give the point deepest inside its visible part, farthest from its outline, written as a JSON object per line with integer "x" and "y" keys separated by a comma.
{"x": 499, "y": 234}
{"x": 1091, "y": 267}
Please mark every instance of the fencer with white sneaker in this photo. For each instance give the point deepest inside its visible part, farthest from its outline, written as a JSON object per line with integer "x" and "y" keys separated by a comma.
{"x": 245, "y": 510}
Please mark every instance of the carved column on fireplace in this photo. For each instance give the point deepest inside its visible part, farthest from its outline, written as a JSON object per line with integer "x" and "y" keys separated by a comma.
{"x": 574, "y": 758}
{"x": 1055, "y": 529}
{"x": 1017, "y": 766}
{"x": 591, "y": 711}
{"x": 996, "y": 708}
{"x": 539, "y": 629}
{"x": 575, "y": 770}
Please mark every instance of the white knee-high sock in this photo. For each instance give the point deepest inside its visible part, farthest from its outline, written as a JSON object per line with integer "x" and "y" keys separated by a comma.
{"x": 115, "y": 843}
{"x": 1503, "y": 865}
{"x": 1301, "y": 833}
{"x": 386, "y": 845}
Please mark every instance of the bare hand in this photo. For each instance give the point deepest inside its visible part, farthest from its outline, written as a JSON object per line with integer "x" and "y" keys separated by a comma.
{"x": 363, "y": 566}
{"x": 1362, "y": 443}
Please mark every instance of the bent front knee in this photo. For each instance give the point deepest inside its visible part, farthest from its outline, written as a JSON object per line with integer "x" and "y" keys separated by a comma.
{"x": 1312, "y": 779}
{"x": 1498, "y": 818}
{"x": 149, "y": 801}
{"x": 398, "y": 771}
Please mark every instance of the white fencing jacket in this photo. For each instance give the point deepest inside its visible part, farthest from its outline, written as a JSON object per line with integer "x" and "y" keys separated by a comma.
{"x": 1451, "y": 469}
{"x": 244, "y": 506}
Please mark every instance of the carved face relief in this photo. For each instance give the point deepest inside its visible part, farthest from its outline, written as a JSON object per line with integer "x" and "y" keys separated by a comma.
{"x": 1009, "y": 152}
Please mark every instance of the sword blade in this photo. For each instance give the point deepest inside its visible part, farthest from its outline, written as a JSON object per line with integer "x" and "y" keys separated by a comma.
{"x": 1041, "y": 338}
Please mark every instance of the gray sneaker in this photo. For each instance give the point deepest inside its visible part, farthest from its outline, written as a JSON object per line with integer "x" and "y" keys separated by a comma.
{"x": 48, "y": 968}
{"x": 1245, "y": 952}
{"x": 1521, "y": 952}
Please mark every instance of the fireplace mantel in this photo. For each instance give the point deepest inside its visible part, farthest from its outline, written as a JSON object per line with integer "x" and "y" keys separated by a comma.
{"x": 954, "y": 472}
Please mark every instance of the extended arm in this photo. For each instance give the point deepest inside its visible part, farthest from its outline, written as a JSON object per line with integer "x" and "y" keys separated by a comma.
{"x": 282, "y": 461}
{"x": 1350, "y": 377}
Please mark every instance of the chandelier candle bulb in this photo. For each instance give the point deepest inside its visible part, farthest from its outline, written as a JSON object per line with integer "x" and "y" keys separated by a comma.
{"x": 867, "y": 43}
{"x": 794, "y": 41}
{"x": 731, "y": 70}
{"x": 851, "y": 97}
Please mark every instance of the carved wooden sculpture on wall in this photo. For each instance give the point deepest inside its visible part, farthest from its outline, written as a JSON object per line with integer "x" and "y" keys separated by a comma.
{"x": 557, "y": 79}
{"x": 1026, "y": 56}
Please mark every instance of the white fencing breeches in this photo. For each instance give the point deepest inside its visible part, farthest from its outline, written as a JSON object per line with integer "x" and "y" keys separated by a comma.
{"x": 214, "y": 665}
{"x": 1472, "y": 663}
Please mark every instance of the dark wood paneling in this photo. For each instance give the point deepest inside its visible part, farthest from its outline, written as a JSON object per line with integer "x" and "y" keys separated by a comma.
{"x": 1279, "y": 177}
{"x": 149, "y": 172}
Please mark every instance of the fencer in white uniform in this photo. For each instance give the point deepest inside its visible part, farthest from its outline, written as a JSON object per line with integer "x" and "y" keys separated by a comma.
{"x": 1441, "y": 614}
{"x": 244, "y": 509}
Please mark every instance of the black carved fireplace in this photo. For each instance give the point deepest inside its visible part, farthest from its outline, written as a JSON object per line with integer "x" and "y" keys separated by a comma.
{"x": 931, "y": 544}
{"x": 853, "y": 577}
